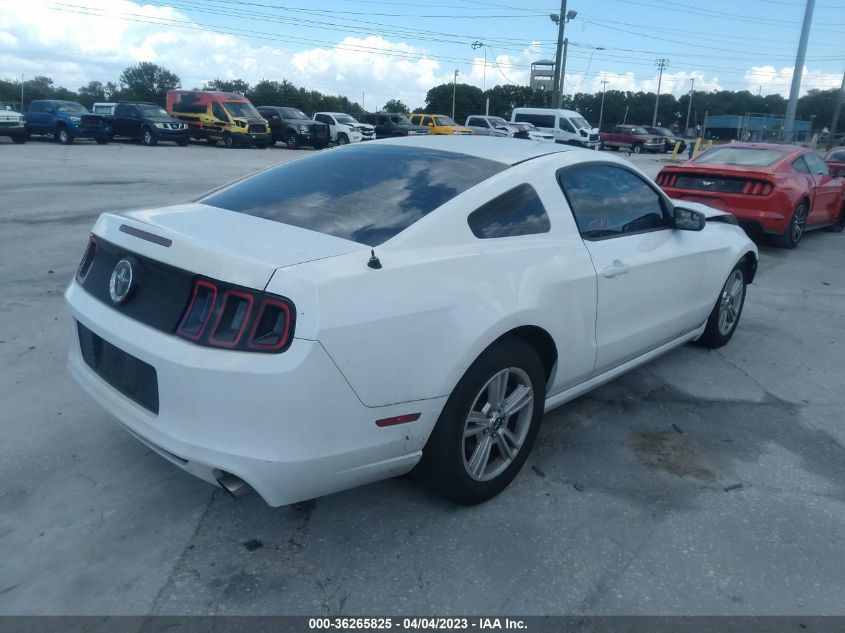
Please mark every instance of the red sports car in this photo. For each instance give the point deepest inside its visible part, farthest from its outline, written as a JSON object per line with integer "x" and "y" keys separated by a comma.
{"x": 780, "y": 190}
{"x": 835, "y": 160}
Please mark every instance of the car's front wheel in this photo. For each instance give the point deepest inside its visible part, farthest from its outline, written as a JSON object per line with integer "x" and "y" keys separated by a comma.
{"x": 292, "y": 140}
{"x": 637, "y": 148}
{"x": 64, "y": 136}
{"x": 488, "y": 425}
{"x": 723, "y": 319}
{"x": 148, "y": 137}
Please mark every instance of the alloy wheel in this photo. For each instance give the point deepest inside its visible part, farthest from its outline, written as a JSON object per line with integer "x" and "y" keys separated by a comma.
{"x": 796, "y": 227}
{"x": 730, "y": 302}
{"x": 498, "y": 423}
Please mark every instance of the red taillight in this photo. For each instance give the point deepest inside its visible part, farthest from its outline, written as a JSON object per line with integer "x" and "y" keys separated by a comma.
{"x": 199, "y": 310}
{"x": 87, "y": 259}
{"x": 757, "y": 188}
{"x": 666, "y": 180}
{"x": 233, "y": 312}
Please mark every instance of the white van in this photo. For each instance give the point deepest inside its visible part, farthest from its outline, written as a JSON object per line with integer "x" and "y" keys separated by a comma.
{"x": 567, "y": 125}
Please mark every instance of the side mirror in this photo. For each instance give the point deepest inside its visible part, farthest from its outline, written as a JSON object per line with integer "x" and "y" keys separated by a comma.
{"x": 689, "y": 220}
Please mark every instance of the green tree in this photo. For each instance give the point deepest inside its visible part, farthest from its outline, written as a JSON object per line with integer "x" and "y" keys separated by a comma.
{"x": 91, "y": 93}
{"x": 395, "y": 105}
{"x": 147, "y": 82}
{"x": 238, "y": 86}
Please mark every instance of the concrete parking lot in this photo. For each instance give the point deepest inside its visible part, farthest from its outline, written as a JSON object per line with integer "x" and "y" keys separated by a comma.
{"x": 707, "y": 482}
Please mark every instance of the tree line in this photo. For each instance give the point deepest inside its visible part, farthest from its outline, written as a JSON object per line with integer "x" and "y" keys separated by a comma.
{"x": 149, "y": 82}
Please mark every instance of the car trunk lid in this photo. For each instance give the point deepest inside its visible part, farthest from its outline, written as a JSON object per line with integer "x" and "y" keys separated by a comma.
{"x": 233, "y": 247}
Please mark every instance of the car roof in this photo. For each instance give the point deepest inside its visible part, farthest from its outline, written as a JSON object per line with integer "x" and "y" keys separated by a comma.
{"x": 788, "y": 149}
{"x": 502, "y": 150}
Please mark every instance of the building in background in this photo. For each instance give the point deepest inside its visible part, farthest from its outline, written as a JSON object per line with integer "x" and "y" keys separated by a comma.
{"x": 543, "y": 75}
{"x": 753, "y": 126}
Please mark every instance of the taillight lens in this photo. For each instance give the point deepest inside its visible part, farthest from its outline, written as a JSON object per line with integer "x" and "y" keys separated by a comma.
{"x": 219, "y": 315}
{"x": 757, "y": 188}
{"x": 666, "y": 180}
{"x": 87, "y": 260}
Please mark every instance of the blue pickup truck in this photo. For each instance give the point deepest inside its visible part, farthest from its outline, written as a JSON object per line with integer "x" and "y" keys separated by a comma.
{"x": 66, "y": 121}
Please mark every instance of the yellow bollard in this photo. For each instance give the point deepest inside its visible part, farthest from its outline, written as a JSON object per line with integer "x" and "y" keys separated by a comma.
{"x": 697, "y": 147}
{"x": 676, "y": 150}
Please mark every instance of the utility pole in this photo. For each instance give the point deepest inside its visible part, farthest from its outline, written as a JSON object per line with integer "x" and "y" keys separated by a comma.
{"x": 454, "y": 87}
{"x": 21, "y": 92}
{"x": 689, "y": 105}
{"x": 830, "y": 137}
{"x": 604, "y": 83}
{"x": 563, "y": 72}
{"x": 792, "y": 105}
{"x": 661, "y": 64}
{"x": 479, "y": 44}
{"x": 560, "y": 20}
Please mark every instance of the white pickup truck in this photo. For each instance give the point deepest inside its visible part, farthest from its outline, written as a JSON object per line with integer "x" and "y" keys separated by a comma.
{"x": 343, "y": 128}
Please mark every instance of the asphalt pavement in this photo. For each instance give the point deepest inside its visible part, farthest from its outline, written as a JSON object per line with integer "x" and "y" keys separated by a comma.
{"x": 706, "y": 482}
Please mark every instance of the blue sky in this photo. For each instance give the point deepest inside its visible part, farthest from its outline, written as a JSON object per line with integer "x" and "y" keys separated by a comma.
{"x": 376, "y": 50}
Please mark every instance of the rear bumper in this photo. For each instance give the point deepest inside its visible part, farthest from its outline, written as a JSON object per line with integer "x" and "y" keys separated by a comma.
{"x": 288, "y": 424}
{"x": 766, "y": 214}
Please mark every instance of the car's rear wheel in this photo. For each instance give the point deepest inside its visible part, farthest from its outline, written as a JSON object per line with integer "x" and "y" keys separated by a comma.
{"x": 148, "y": 137}
{"x": 795, "y": 231}
{"x": 723, "y": 319}
{"x": 488, "y": 425}
{"x": 182, "y": 142}
{"x": 228, "y": 141}
{"x": 839, "y": 226}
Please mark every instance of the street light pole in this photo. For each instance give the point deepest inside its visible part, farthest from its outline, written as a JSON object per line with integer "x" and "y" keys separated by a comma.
{"x": 454, "y": 87}
{"x": 563, "y": 72}
{"x": 560, "y": 20}
{"x": 792, "y": 105}
{"x": 661, "y": 64}
{"x": 689, "y": 105}
{"x": 831, "y": 137}
{"x": 477, "y": 44}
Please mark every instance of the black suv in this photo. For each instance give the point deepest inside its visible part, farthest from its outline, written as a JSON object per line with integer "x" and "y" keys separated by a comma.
{"x": 148, "y": 122}
{"x": 668, "y": 136}
{"x": 391, "y": 124}
{"x": 294, "y": 128}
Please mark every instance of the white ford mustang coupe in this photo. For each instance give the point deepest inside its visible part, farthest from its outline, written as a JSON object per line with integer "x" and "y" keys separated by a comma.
{"x": 409, "y": 303}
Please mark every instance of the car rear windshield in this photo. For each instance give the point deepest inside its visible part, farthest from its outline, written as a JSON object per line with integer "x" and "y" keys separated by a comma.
{"x": 741, "y": 156}
{"x": 361, "y": 193}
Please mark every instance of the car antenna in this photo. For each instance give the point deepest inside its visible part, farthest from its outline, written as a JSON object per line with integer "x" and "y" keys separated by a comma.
{"x": 374, "y": 261}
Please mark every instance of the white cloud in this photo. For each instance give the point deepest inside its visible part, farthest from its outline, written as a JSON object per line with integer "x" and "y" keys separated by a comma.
{"x": 769, "y": 80}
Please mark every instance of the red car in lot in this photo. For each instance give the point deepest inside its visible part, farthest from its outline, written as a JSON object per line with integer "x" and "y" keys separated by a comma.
{"x": 779, "y": 190}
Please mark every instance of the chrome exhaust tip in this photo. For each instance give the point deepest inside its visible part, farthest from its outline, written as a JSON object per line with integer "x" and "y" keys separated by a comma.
{"x": 235, "y": 486}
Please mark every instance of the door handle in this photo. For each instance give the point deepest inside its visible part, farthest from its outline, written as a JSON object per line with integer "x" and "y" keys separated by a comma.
{"x": 617, "y": 268}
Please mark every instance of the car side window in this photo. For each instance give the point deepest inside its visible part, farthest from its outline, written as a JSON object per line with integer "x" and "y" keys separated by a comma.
{"x": 610, "y": 201}
{"x": 817, "y": 165}
{"x": 800, "y": 165}
{"x": 515, "y": 212}
{"x": 218, "y": 112}
{"x": 566, "y": 126}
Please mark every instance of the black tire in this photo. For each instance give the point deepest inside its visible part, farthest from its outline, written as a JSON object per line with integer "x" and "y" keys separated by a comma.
{"x": 260, "y": 145}
{"x": 448, "y": 455}
{"x": 321, "y": 145}
{"x": 182, "y": 142}
{"x": 291, "y": 140}
{"x": 342, "y": 139}
{"x": 102, "y": 140}
{"x": 148, "y": 137}
{"x": 794, "y": 230}
{"x": 20, "y": 139}
{"x": 637, "y": 148}
{"x": 64, "y": 136}
{"x": 839, "y": 226}
{"x": 728, "y": 306}
{"x": 228, "y": 141}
